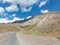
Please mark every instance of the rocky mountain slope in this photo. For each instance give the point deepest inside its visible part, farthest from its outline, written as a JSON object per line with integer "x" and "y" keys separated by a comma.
{"x": 41, "y": 30}
{"x": 45, "y": 24}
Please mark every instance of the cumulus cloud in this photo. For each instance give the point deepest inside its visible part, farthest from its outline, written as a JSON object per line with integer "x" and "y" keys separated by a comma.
{"x": 23, "y": 4}
{"x": 11, "y": 16}
{"x": 42, "y": 3}
{"x": 26, "y": 9}
{"x": 10, "y": 1}
{"x": 2, "y": 10}
{"x": 26, "y": 3}
{"x": 14, "y": 15}
{"x": 5, "y": 20}
{"x": 12, "y": 8}
{"x": 44, "y": 11}
{"x": 28, "y": 17}
{"x": 16, "y": 18}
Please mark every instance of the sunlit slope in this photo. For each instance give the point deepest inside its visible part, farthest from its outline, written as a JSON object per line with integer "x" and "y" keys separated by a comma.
{"x": 45, "y": 24}
{"x": 8, "y": 27}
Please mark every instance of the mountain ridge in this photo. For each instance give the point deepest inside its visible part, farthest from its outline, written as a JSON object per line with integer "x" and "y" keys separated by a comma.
{"x": 45, "y": 24}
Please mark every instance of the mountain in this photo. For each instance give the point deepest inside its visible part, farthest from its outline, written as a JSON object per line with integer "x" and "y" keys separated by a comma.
{"x": 45, "y": 24}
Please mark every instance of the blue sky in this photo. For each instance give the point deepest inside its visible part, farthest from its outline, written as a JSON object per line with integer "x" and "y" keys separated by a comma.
{"x": 11, "y": 10}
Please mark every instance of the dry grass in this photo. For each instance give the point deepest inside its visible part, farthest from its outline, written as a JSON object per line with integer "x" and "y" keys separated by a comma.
{"x": 8, "y": 27}
{"x": 49, "y": 28}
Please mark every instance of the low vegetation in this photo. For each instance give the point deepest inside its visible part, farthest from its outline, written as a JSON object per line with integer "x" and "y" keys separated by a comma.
{"x": 51, "y": 29}
{"x": 27, "y": 29}
{"x": 7, "y": 28}
{"x": 50, "y": 26}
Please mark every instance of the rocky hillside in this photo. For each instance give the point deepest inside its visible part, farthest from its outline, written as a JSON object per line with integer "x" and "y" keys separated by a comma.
{"x": 41, "y": 30}
{"x": 45, "y": 24}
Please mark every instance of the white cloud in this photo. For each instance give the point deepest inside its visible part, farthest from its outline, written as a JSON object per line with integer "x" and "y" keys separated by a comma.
{"x": 5, "y": 20}
{"x": 16, "y": 18}
{"x": 27, "y": 3}
{"x": 42, "y": 3}
{"x": 26, "y": 9}
{"x": 28, "y": 17}
{"x": 12, "y": 8}
{"x": 23, "y": 4}
{"x": 44, "y": 11}
{"x": 10, "y": 1}
{"x": 11, "y": 16}
{"x": 1, "y": 10}
{"x": 14, "y": 15}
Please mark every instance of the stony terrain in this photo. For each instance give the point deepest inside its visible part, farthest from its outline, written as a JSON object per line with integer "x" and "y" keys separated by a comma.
{"x": 41, "y": 30}
{"x": 46, "y": 25}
